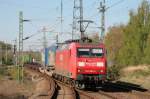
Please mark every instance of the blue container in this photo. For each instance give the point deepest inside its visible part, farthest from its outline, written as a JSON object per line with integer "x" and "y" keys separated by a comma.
{"x": 48, "y": 55}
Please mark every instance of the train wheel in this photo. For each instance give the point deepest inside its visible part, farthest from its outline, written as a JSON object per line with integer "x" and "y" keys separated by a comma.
{"x": 79, "y": 85}
{"x": 72, "y": 82}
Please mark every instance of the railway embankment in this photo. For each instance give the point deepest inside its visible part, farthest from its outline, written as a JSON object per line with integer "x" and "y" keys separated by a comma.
{"x": 11, "y": 88}
{"x": 139, "y": 75}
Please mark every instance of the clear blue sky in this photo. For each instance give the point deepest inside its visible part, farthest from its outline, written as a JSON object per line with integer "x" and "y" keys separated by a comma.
{"x": 46, "y": 13}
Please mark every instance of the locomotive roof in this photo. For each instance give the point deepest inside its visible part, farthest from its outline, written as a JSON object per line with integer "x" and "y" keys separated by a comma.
{"x": 83, "y": 40}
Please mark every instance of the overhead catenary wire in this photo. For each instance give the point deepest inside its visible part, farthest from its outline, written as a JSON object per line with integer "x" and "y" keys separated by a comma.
{"x": 115, "y": 4}
{"x": 16, "y": 4}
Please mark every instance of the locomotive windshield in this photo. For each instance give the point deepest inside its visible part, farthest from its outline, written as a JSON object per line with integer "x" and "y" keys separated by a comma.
{"x": 96, "y": 52}
{"x": 83, "y": 52}
{"x": 90, "y": 52}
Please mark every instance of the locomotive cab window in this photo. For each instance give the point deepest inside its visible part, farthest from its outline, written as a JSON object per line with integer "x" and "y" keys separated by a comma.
{"x": 97, "y": 52}
{"x": 83, "y": 52}
{"x": 90, "y": 52}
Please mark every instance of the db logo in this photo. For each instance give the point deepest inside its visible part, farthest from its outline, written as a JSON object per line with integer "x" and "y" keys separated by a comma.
{"x": 91, "y": 64}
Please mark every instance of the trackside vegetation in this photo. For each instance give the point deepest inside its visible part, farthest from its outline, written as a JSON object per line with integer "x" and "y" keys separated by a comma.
{"x": 129, "y": 44}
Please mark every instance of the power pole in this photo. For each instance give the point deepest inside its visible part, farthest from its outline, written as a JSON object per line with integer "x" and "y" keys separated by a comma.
{"x": 20, "y": 54}
{"x": 78, "y": 7}
{"x": 1, "y": 54}
{"x": 14, "y": 52}
{"x": 76, "y": 16}
{"x": 44, "y": 38}
{"x": 81, "y": 19}
{"x": 44, "y": 43}
{"x": 6, "y": 52}
{"x": 102, "y": 9}
{"x": 57, "y": 39}
{"x": 61, "y": 18}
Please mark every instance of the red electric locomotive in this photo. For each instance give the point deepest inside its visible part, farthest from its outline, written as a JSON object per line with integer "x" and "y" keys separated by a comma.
{"x": 82, "y": 63}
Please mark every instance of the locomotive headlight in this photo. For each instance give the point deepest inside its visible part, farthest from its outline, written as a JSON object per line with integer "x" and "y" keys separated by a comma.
{"x": 81, "y": 63}
{"x": 100, "y": 64}
{"x": 101, "y": 71}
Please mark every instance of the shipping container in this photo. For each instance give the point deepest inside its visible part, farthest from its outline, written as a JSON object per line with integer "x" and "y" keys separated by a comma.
{"x": 27, "y": 58}
{"x": 52, "y": 51}
{"x": 48, "y": 56}
{"x": 45, "y": 56}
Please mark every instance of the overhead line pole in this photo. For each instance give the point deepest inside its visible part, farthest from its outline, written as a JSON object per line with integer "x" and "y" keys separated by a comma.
{"x": 20, "y": 54}
{"x": 61, "y": 16}
{"x": 76, "y": 16}
{"x": 20, "y": 57}
{"x": 102, "y": 10}
{"x": 44, "y": 43}
{"x": 78, "y": 7}
{"x": 14, "y": 52}
{"x": 61, "y": 22}
{"x": 1, "y": 54}
{"x": 73, "y": 23}
{"x": 6, "y": 53}
{"x": 81, "y": 19}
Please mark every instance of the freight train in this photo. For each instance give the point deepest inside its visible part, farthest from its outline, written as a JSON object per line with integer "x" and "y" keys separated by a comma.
{"x": 79, "y": 62}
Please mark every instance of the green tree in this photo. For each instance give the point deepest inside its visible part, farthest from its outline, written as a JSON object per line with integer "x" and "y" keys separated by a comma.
{"x": 146, "y": 58}
{"x": 135, "y": 36}
{"x": 114, "y": 42}
{"x": 130, "y": 44}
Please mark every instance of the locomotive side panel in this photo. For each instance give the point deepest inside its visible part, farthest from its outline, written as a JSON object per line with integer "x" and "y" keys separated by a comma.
{"x": 58, "y": 63}
{"x": 62, "y": 63}
{"x": 73, "y": 61}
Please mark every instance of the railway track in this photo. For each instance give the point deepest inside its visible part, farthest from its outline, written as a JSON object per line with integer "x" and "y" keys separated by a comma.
{"x": 52, "y": 89}
{"x": 46, "y": 86}
{"x": 65, "y": 91}
{"x": 47, "y": 93}
{"x": 84, "y": 95}
{"x": 59, "y": 90}
{"x": 69, "y": 92}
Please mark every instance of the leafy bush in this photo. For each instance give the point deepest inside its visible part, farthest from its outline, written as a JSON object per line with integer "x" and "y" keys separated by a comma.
{"x": 13, "y": 72}
{"x": 2, "y": 71}
{"x": 113, "y": 73}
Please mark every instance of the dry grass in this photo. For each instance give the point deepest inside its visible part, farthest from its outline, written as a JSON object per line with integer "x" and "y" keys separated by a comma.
{"x": 130, "y": 69}
{"x": 137, "y": 74}
{"x": 10, "y": 88}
